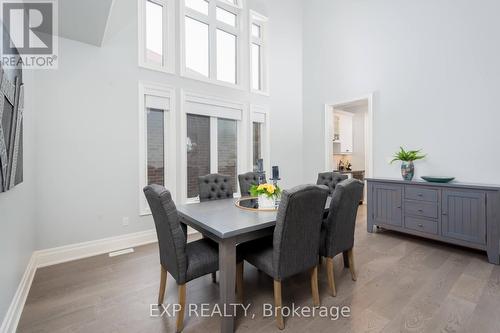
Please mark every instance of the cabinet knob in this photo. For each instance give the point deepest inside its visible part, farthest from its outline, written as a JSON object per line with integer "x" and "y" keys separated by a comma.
{"x": 398, "y": 207}
{"x": 420, "y": 225}
{"x": 420, "y": 195}
{"x": 420, "y": 211}
{"x": 445, "y": 213}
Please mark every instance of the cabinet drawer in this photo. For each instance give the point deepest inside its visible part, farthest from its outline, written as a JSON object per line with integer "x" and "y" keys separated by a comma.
{"x": 428, "y": 226}
{"x": 421, "y": 209}
{"x": 421, "y": 194}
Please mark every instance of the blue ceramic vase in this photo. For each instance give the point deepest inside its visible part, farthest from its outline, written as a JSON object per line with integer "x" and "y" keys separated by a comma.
{"x": 407, "y": 170}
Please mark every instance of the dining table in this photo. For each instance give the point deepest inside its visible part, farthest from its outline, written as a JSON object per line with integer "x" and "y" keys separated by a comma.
{"x": 228, "y": 225}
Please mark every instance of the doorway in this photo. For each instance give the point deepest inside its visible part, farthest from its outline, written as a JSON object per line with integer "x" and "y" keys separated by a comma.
{"x": 349, "y": 137}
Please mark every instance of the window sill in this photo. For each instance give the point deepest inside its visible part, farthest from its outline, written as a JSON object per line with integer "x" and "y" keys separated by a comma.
{"x": 157, "y": 69}
{"x": 192, "y": 76}
{"x": 260, "y": 92}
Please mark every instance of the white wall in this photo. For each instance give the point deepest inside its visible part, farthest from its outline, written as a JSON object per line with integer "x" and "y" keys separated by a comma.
{"x": 434, "y": 68}
{"x": 17, "y": 211}
{"x": 87, "y": 131}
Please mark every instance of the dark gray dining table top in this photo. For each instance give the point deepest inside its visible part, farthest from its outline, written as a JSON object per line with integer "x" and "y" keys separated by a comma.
{"x": 224, "y": 219}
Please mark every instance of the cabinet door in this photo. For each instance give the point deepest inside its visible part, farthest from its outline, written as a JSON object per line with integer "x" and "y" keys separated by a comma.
{"x": 345, "y": 134}
{"x": 387, "y": 201}
{"x": 464, "y": 216}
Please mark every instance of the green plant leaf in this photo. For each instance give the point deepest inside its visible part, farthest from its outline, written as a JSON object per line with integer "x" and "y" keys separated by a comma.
{"x": 407, "y": 156}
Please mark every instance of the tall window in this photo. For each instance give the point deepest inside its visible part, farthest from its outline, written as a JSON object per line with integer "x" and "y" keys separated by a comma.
{"x": 156, "y": 35}
{"x": 157, "y": 139}
{"x": 260, "y": 137}
{"x": 155, "y": 133}
{"x": 212, "y": 140}
{"x": 256, "y": 144}
{"x": 210, "y": 39}
{"x": 227, "y": 148}
{"x": 198, "y": 151}
{"x": 258, "y": 52}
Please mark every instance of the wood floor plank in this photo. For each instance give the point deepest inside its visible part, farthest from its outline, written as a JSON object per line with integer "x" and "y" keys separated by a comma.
{"x": 404, "y": 284}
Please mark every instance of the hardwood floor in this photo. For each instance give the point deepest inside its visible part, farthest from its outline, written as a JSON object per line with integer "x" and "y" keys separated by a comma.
{"x": 404, "y": 284}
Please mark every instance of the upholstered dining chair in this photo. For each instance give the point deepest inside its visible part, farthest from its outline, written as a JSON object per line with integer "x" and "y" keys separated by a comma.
{"x": 184, "y": 261}
{"x": 215, "y": 187}
{"x": 330, "y": 179}
{"x": 294, "y": 246}
{"x": 247, "y": 180}
{"x": 337, "y": 230}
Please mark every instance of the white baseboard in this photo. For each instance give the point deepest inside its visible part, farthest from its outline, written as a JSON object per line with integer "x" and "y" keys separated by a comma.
{"x": 43, "y": 258}
{"x": 9, "y": 324}
{"x": 72, "y": 252}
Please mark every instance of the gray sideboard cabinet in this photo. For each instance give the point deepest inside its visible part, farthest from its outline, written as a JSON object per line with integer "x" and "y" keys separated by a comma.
{"x": 457, "y": 213}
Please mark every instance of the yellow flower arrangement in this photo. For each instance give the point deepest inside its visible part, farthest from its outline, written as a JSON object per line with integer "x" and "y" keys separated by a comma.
{"x": 267, "y": 189}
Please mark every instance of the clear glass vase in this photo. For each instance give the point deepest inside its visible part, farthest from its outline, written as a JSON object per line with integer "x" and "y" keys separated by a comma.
{"x": 266, "y": 202}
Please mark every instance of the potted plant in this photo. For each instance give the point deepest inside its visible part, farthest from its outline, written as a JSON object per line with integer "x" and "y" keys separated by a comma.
{"x": 266, "y": 194}
{"x": 407, "y": 158}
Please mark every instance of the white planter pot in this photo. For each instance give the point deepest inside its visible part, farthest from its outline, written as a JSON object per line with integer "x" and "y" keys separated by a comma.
{"x": 266, "y": 203}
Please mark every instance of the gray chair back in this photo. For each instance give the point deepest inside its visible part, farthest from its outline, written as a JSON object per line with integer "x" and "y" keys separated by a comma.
{"x": 296, "y": 237}
{"x": 172, "y": 237}
{"x": 330, "y": 179}
{"x": 215, "y": 187}
{"x": 246, "y": 181}
{"x": 341, "y": 220}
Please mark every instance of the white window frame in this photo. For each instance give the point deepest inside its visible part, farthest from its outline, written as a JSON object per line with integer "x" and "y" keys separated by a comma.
{"x": 260, "y": 114}
{"x": 167, "y": 94}
{"x": 213, "y": 26}
{"x": 263, "y": 42}
{"x": 169, "y": 51}
{"x": 213, "y": 107}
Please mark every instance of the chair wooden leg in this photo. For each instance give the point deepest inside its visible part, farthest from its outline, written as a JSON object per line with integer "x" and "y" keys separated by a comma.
{"x": 331, "y": 277}
{"x": 345, "y": 256}
{"x": 350, "y": 254}
{"x": 182, "y": 303}
{"x": 214, "y": 277}
{"x": 163, "y": 284}
{"x": 278, "y": 304}
{"x": 239, "y": 281}
{"x": 314, "y": 286}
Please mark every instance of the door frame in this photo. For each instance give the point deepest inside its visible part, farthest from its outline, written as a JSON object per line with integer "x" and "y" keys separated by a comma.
{"x": 328, "y": 121}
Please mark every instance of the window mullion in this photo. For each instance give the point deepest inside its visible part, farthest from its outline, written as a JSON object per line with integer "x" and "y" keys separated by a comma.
{"x": 214, "y": 158}
{"x": 196, "y": 16}
{"x": 227, "y": 28}
{"x": 213, "y": 39}
{"x": 257, "y": 41}
{"x": 165, "y": 32}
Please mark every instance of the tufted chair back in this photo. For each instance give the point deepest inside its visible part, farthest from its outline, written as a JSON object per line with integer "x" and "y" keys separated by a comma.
{"x": 338, "y": 228}
{"x": 296, "y": 238}
{"x": 330, "y": 179}
{"x": 215, "y": 187}
{"x": 246, "y": 181}
{"x": 172, "y": 235}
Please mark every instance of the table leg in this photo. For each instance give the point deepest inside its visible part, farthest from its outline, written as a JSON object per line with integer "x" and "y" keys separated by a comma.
{"x": 227, "y": 278}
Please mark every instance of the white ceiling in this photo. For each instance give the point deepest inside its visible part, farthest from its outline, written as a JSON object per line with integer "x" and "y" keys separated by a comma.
{"x": 84, "y": 20}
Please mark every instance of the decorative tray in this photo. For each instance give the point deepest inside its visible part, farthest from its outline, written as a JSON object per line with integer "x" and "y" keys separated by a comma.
{"x": 433, "y": 179}
{"x": 252, "y": 203}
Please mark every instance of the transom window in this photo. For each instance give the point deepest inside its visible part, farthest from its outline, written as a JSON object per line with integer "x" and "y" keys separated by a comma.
{"x": 211, "y": 37}
{"x": 258, "y": 53}
{"x": 156, "y": 35}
